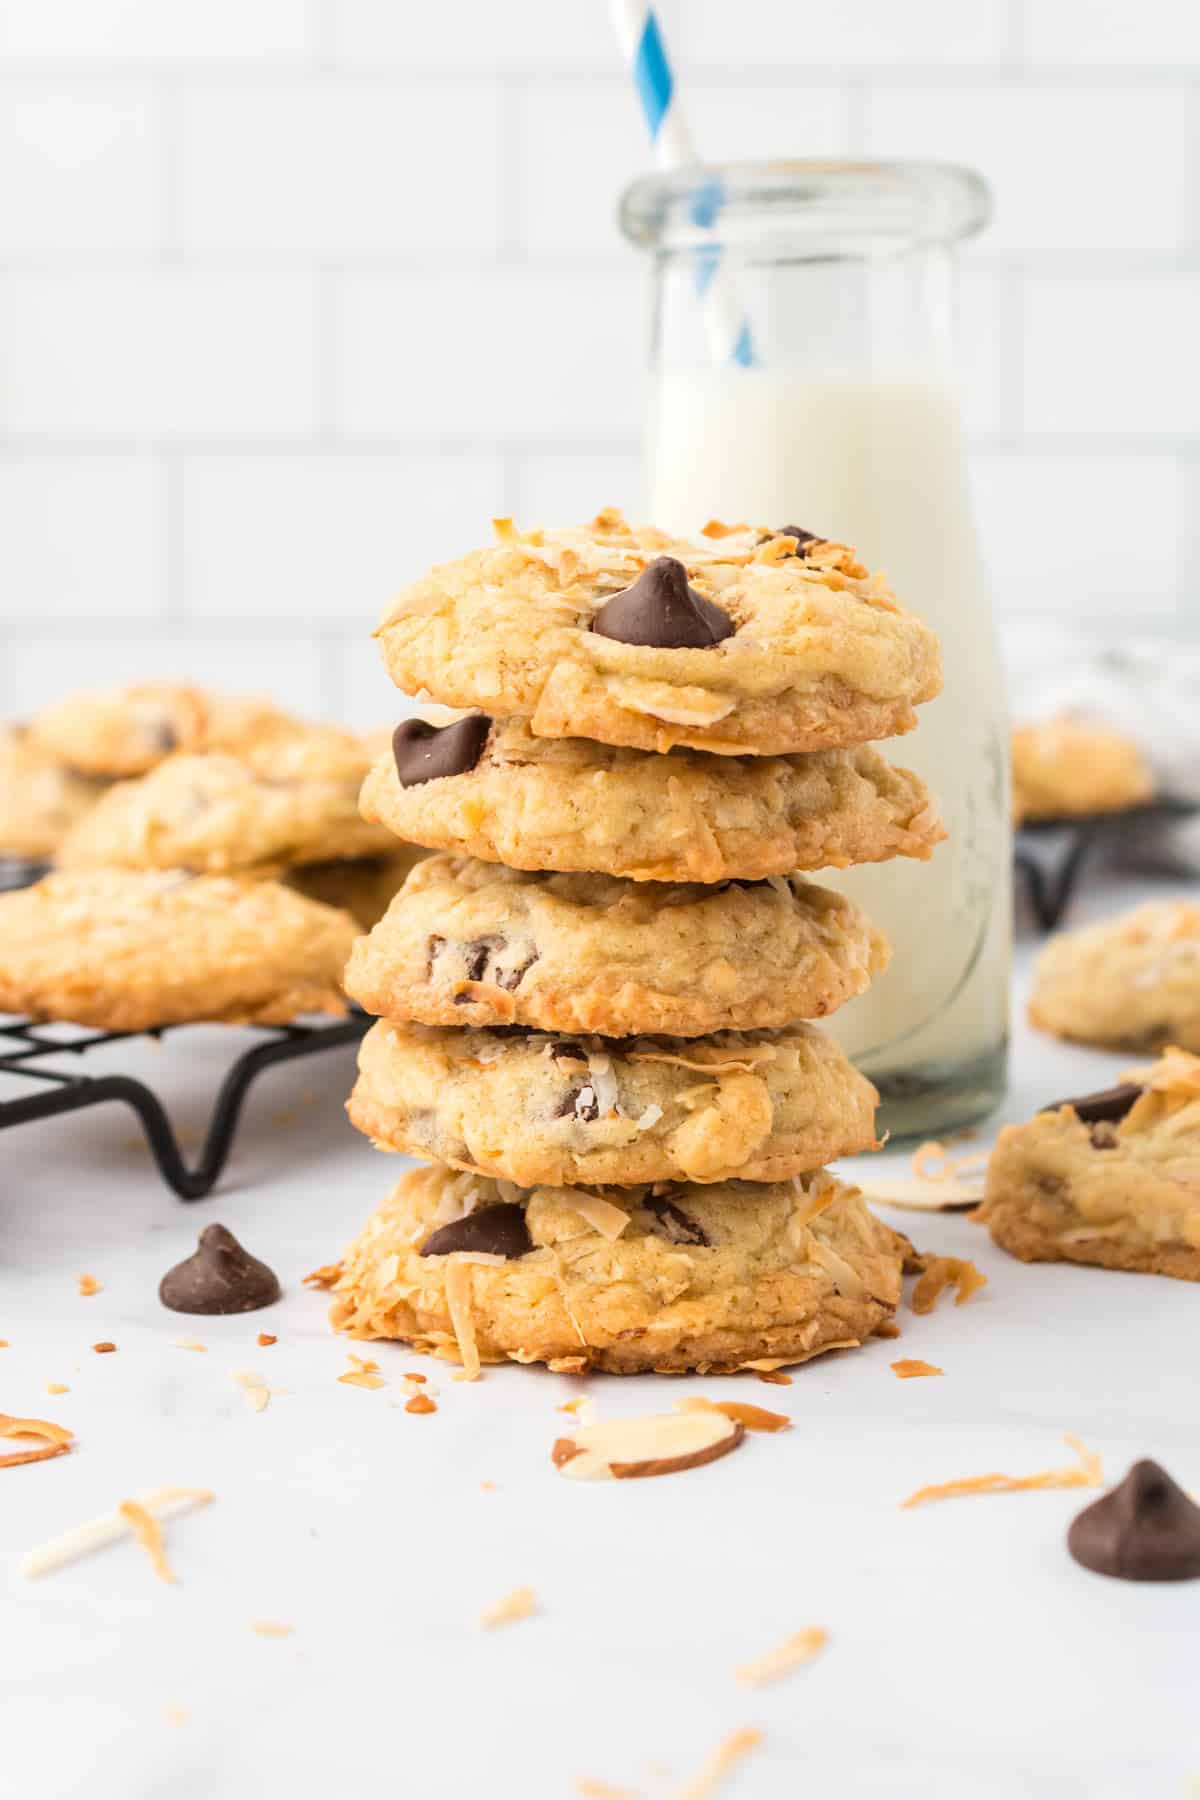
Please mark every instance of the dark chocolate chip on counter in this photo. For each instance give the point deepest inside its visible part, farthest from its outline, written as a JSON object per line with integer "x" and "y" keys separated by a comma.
{"x": 1147, "y": 1529}
{"x": 663, "y": 611}
{"x": 426, "y": 752}
{"x": 677, "y": 1225}
{"x": 802, "y": 537}
{"x": 219, "y": 1277}
{"x": 492, "y": 1231}
{"x": 1109, "y": 1104}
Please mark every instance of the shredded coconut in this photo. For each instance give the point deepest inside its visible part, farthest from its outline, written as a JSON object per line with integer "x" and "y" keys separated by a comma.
{"x": 609, "y": 1220}
{"x": 910, "y": 1366}
{"x": 83, "y": 1539}
{"x": 1088, "y": 1472}
{"x": 789, "y": 1655}
{"x": 56, "y": 1440}
{"x": 521, "y": 1603}
{"x": 718, "y": 1764}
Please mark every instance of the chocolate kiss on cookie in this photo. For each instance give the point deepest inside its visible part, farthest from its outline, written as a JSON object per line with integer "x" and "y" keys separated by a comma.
{"x": 493, "y": 1231}
{"x": 1145, "y": 1530}
{"x": 220, "y": 1277}
{"x": 426, "y": 752}
{"x": 1104, "y": 1107}
{"x": 661, "y": 610}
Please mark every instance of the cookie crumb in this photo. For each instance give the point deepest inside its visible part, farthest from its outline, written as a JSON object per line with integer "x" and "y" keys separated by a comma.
{"x": 795, "y": 1650}
{"x": 909, "y": 1367}
{"x": 521, "y": 1603}
{"x": 1088, "y": 1472}
{"x": 104, "y": 1349}
{"x": 88, "y": 1285}
{"x": 775, "y": 1377}
{"x": 420, "y": 1403}
{"x": 57, "y": 1387}
{"x": 254, "y": 1388}
{"x": 265, "y": 1338}
{"x": 364, "y": 1373}
{"x": 324, "y": 1277}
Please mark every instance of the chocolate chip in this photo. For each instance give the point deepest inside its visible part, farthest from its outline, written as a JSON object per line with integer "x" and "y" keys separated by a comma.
{"x": 427, "y": 752}
{"x": 563, "y": 1050}
{"x": 164, "y": 738}
{"x": 1146, "y": 1529}
{"x": 569, "y": 1106}
{"x": 677, "y": 1225}
{"x": 493, "y": 1231}
{"x": 219, "y": 1277}
{"x": 661, "y": 609}
{"x": 1108, "y": 1104}
{"x": 802, "y": 537}
{"x": 511, "y": 979}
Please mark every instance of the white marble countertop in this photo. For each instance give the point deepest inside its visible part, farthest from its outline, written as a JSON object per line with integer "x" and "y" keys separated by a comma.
{"x": 967, "y": 1653}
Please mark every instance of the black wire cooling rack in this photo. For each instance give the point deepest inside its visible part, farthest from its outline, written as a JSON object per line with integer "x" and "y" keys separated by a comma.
{"x": 1063, "y": 846}
{"x": 26, "y": 1047}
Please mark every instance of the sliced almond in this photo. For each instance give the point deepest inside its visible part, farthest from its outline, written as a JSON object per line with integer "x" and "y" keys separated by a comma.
{"x": 660, "y": 1444}
{"x": 742, "y": 1412}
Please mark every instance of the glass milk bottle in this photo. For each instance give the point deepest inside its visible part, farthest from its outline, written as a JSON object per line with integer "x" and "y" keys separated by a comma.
{"x": 838, "y": 413}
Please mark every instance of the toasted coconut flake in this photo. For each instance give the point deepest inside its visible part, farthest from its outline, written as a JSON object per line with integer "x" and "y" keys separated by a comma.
{"x": 846, "y": 1279}
{"x": 458, "y": 1299}
{"x": 609, "y": 1220}
{"x": 719, "y": 1763}
{"x": 324, "y": 1277}
{"x": 57, "y": 1387}
{"x": 660, "y": 1444}
{"x": 887, "y": 1328}
{"x": 255, "y": 1389}
{"x": 148, "y": 1533}
{"x": 83, "y": 1539}
{"x": 56, "y": 1440}
{"x": 909, "y": 1367}
{"x": 798, "y": 1649}
{"x": 582, "y": 1408}
{"x": 650, "y": 1117}
{"x": 176, "y": 1714}
{"x": 1088, "y": 1472}
{"x": 88, "y": 1285}
{"x": 754, "y": 1418}
{"x": 949, "y": 1193}
{"x": 941, "y": 1272}
{"x": 775, "y": 1377}
{"x": 265, "y": 1339}
{"x": 714, "y": 1065}
{"x": 362, "y": 1373}
{"x": 269, "y": 1628}
{"x": 104, "y": 1349}
{"x": 521, "y": 1603}
{"x": 421, "y": 1403}
{"x": 809, "y": 1205}
{"x": 602, "y": 1790}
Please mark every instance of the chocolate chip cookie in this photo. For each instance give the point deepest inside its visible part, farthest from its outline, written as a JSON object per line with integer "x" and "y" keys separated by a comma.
{"x": 124, "y": 731}
{"x": 1111, "y": 1179}
{"x": 126, "y": 950}
{"x": 535, "y": 1108}
{"x": 668, "y": 1278}
{"x": 287, "y": 797}
{"x": 496, "y": 791}
{"x": 40, "y": 799}
{"x": 1128, "y": 983}
{"x": 1067, "y": 766}
{"x": 745, "y": 641}
{"x": 474, "y": 943}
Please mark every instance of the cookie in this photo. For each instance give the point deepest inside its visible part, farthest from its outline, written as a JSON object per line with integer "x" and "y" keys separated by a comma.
{"x": 121, "y": 732}
{"x": 128, "y": 950}
{"x": 1066, "y": 766}
{"x": 1128, "y": 983}
{"x": 544, "y": 1110}
{"x": 364, "y": 887}
{"x": 288, "y": 797}
{"x": 474, "y": 943}
{"x": 570, "y": 804}
{"x": 40, "y": 799}
{"x": 742, "y": 642}
{"x": 669, "y": 1279}
{"x": 1112, "y": 1179}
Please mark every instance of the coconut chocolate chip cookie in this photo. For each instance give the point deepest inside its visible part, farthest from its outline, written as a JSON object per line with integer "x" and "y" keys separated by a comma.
{"x": 288, "y": 797}
{"x": 40, "y": 799}
{"x": 1066, "y": 766}
{"x": 125, "y": 731}
{"x": 1111, "y": 1179}
{"x": 745, "y": 641}
{"x": 1128, "y": 983}
{"x": 535, "y": 1108}
{"x": 668, "y": 1277}
{"x": 126, "y": 950}
{"x": 494, "y": 790}
{"x": 474, "y": 943}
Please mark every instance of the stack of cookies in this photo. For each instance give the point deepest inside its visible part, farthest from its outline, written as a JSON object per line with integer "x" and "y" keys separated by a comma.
{"x": 593, "y": 999}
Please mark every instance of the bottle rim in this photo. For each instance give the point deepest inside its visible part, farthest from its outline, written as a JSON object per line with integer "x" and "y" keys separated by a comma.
{"x": 863, "y": 205}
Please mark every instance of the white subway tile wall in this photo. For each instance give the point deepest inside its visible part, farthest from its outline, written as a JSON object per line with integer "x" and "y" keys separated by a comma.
{"x": 296, "y": 294}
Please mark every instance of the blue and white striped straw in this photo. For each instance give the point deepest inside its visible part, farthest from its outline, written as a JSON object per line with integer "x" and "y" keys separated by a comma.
{"x": 641, "y": 39}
